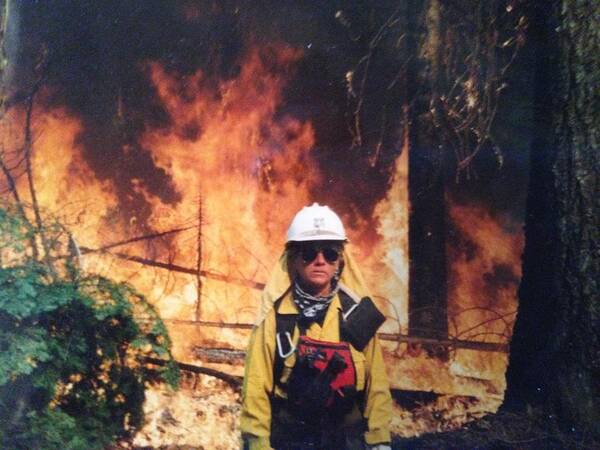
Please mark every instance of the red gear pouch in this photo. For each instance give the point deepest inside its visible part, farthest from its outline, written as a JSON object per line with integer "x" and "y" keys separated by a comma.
{"x": 334, "y": 358}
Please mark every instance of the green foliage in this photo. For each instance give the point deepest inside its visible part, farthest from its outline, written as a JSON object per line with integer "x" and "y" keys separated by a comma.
{"x": 72, "y": 348}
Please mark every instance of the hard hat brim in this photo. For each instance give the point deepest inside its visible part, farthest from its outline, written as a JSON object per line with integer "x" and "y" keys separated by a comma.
{"x": 318, "y": 238}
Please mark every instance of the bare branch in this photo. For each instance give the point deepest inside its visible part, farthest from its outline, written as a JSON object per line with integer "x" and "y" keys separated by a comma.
{"x": 13, "y": 188}
{"x": 145, "y": 237}
{"x": 199, "y": 262}
{"x": 181, "y": 269}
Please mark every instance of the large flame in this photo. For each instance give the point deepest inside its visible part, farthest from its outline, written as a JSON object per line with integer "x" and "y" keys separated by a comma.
{"x": 242, "y": 169}
{"x": 242, "y": 176}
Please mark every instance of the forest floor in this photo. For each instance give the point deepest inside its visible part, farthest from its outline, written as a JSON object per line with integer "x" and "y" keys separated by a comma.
{"x": 500, "y": 431}
{"x": 504, "y": 431}
{"x": 207, "y": 419}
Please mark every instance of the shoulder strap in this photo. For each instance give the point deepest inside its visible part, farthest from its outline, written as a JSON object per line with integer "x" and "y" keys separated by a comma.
{"x": 347, "y": 302}
{"x": 284, "y": 330}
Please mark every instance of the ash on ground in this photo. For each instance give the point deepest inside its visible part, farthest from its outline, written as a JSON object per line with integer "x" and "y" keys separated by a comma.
{"x": 203, "y": 414}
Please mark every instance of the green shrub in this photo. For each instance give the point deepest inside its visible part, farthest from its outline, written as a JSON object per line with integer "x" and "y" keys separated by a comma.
{"x": 72, "y": 346}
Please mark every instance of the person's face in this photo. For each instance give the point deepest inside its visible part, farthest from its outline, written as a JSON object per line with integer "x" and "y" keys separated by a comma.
{"x": 316, "y": 263}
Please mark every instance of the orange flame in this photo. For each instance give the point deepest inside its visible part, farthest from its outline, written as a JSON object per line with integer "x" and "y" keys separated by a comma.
{"x": 482, "y": 286}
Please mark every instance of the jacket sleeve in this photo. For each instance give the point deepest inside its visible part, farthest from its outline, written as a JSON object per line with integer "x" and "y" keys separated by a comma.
{"x": 378, "y": 400}
{"x": 255, "y": 421}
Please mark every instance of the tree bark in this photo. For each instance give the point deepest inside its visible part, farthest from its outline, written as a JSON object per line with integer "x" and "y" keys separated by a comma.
{"x": 427, "y": 230}
{"x": 555, "y": 351}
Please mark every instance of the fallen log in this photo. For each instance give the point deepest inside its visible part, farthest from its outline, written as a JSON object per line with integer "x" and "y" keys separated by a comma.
{"x": 234, "y": 381}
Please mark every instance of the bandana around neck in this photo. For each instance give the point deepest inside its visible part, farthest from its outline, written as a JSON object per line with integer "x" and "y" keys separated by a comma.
{"x": 313, "y": 308}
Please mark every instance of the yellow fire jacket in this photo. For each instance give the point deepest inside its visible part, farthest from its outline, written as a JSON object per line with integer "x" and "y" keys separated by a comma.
{"x": 259, "y": 385}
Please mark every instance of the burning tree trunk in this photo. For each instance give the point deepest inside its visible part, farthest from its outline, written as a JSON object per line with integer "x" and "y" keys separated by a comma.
{"x": 555, "y": 352}
{"x": 427, "y": 304}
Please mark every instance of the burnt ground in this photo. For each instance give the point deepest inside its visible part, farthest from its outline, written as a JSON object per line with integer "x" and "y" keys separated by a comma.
{"x": 501, "y": 431}
{"x": 505, "y": 431}
{"x": 530, "y": 430}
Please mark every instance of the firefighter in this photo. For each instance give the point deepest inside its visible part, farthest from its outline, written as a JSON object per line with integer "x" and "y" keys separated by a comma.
{"x": 315, "y": 375}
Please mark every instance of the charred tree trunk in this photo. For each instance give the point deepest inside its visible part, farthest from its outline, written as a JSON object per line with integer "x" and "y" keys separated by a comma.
{"x": 555, "y": 351}
{"x": 427, "y": 290}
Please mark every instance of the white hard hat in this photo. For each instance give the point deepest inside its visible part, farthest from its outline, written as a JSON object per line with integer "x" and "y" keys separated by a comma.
{"x": 316, "y": 223}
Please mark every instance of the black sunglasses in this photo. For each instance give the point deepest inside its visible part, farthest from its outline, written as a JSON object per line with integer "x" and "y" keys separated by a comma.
{"x": 310, "y": 252}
